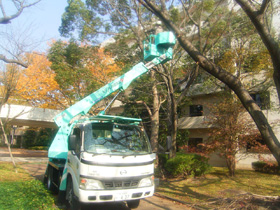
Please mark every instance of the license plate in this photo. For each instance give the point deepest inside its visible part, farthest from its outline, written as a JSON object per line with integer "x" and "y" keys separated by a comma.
{"x": 122, "y": 196}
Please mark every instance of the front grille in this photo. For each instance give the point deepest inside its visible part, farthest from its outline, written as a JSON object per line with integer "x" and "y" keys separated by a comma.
{"x": 120, "y": 184}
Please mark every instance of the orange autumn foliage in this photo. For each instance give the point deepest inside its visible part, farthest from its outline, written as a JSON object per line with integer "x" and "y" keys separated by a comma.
{"x": 102, "y": 66}
{"x": 37, "y": 83}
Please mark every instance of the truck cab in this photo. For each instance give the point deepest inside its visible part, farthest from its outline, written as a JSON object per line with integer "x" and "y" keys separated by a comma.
{"x": 109, "y": 159}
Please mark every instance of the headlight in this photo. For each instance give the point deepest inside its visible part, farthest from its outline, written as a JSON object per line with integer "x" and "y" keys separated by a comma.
{"x": 90, "y": 184}
{"x": 147, "y": 182}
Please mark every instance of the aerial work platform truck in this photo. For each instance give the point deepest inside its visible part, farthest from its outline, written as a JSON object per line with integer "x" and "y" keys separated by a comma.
{"x": 105, "y": 158}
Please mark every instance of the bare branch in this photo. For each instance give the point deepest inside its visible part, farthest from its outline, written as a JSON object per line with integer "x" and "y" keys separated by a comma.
{"x": 264, "y": 6}
{"x": 6, "y": 60}
{"x": 19, "y": 5}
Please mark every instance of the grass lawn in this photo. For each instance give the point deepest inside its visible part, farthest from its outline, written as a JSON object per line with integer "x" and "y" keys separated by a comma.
{"x": 19, "y": 191}
{"x": 218, "y": 185}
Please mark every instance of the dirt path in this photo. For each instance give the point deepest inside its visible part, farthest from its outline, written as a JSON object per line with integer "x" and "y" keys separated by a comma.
{"x": 22, "y": 152}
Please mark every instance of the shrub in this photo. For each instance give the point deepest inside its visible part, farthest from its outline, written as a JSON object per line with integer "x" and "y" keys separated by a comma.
{"x": 266, "y": 167}
{"x": 42, "y": 138}
{"x": 162, "y": 159}
{"x": 159, "y": 170}
{"x": 45, "y": 137}
{"x": 185, "y": 165}
{"x": 38, "y": 148}
{"x": 29, "y": 138}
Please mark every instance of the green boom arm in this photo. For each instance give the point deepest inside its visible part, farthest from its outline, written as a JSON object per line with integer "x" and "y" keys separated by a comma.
{"x": 163, "y": 43}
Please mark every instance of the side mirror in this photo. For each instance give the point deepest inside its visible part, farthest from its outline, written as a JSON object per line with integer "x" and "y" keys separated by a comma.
{"x": 154, "y": 156}
{"x": 72, "y": 142}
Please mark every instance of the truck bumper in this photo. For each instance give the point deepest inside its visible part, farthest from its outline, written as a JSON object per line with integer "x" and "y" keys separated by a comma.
{"x": 90, "y": 196}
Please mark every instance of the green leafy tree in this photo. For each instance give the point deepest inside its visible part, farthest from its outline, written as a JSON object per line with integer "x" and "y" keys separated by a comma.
{"x": 71, "y": 75}
{"x": 81, "y": 69}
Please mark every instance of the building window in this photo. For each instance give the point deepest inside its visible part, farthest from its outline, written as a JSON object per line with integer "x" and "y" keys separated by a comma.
{"x": 196, "y": 110}
{"x": 262, "y": 99}
{"x": 194, "y": 144}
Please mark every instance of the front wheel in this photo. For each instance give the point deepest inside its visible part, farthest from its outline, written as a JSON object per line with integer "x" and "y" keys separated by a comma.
{"x": 72, "y": 202}
{"x": 50, "y": 185}
{"x": 133, "y": 204}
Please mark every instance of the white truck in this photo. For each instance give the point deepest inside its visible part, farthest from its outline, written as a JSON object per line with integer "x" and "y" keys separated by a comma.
{"x": 105, "y": 158}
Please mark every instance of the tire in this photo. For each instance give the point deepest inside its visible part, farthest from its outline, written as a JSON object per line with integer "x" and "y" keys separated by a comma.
{"x": 133, "y": 204}
{"x": 50, "y": 185}
{"x": 71, "y": 200}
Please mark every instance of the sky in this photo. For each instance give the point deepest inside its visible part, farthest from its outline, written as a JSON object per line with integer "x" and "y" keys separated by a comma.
{"x": 40, "y": 21}
{"x": 43, "y": 21}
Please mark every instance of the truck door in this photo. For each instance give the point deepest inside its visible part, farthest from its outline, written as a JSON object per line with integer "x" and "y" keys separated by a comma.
{"x": 74, "y": 157}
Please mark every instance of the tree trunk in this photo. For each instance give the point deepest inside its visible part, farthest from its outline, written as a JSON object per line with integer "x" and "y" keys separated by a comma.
{"x": 172, "y": 114}
{"x": 231, "y": 165}
{"x": 154, "y": 116}
{"x": 276, "y": 77}
{"x": 173, "y": 127}
{"x": 8, "y": 144}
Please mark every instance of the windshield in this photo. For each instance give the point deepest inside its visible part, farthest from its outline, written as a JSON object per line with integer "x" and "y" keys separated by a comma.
{"x": 115, "y": 139}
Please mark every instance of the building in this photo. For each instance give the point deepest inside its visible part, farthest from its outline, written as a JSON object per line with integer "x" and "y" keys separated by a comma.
{"x": 194, "y": 115}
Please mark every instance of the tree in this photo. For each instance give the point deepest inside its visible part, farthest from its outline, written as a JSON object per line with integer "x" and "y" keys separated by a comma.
{"x": 144, "y": 101}
{"x": 258, "y": 14}
{"x": 8, "y": 15}
{"x": 102, "y": 65}
{"x": 37, "y": 85}
{"x": 9, "y": 74}
{"x": 208, "y": 36}
{"x": 228, "y": 128}
{"x": 8, "y": 81}
{"x": 221, "y": 74}
{"x": 79, "y": 69}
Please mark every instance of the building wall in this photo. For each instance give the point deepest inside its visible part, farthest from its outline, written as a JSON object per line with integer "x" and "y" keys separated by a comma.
{"x": 199, "y": 129}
